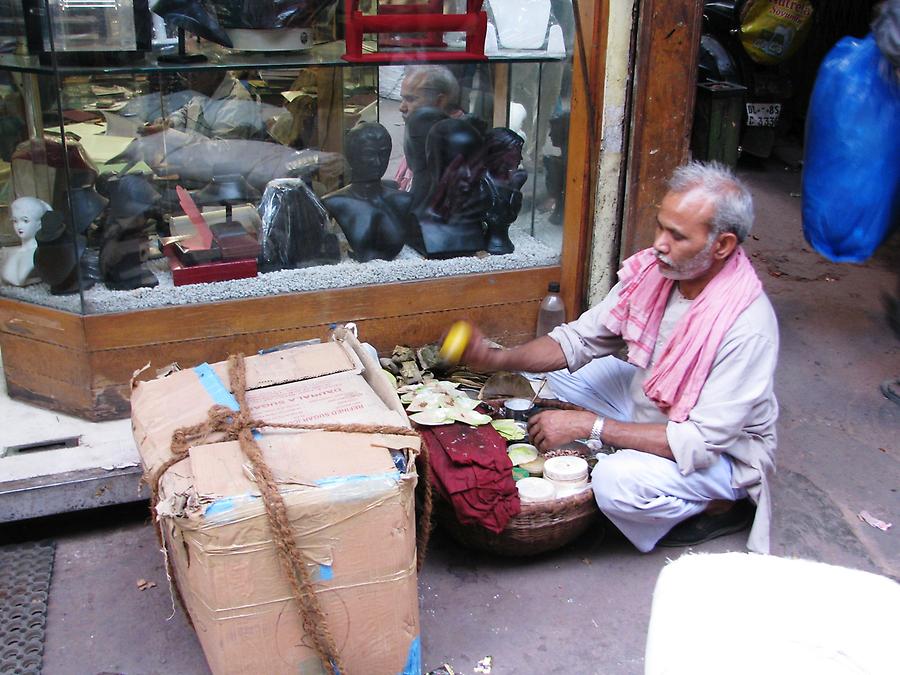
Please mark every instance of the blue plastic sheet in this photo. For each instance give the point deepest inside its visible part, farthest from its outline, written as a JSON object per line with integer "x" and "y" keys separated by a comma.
{"x": 851, "y": 173}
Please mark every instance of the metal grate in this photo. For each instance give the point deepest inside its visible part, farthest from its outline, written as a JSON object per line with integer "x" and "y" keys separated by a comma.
{"x": 25, "y": 571}
{"x": 41, "y": 446}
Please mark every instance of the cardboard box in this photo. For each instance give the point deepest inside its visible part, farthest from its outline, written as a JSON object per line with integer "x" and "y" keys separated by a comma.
{"x": 351, "y": 511}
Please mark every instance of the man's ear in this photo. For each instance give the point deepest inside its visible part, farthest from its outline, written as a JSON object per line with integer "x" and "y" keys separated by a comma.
{"x": 725, "y": 245}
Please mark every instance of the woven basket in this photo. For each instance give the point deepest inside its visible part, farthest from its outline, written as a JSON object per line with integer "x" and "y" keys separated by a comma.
{"x": 538, "y": 528}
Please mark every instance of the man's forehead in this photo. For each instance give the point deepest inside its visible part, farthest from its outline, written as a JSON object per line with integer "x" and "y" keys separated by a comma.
{"x": 687, "y": 209}
{"x": 694, "y": 199}
{"x": 415, "y": 81}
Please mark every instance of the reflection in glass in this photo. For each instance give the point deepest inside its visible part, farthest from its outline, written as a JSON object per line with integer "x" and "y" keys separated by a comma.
{"x": 426, "y": 170}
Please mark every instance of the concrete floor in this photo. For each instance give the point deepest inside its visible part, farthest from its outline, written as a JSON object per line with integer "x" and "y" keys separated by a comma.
{"x": 583, "y": 609}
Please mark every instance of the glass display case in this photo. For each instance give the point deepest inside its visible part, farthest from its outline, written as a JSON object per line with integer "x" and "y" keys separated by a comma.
{"x": 181, "y": 199}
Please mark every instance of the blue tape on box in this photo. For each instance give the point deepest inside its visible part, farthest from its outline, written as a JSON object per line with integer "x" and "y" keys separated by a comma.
{"x": 217, "y": 390}
{"x": 219, "y": 394}
{"x": 214, "y": 387}
{"x": 414, "y": 658}
{"x": 219, "y": 506}
{"x": 325, "y": 572}
{"x": 354, "y": 478}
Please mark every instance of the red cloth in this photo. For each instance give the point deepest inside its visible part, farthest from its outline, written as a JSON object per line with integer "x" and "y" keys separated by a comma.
{"x": 470, "y": 468}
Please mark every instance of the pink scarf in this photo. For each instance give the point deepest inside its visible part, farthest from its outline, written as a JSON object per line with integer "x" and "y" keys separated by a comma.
{"x": 681, "y": 371}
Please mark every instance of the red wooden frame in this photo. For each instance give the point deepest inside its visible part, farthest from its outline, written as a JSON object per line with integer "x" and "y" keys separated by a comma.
{"x": 420, "y": 18}
{"x": 426, "y": 40}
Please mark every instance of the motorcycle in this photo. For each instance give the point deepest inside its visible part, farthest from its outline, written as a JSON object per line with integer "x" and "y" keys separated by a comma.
{"x": 747, "y": 43}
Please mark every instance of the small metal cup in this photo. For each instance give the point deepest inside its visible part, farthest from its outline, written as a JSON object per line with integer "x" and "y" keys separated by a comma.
{"x": 519, "y": 409}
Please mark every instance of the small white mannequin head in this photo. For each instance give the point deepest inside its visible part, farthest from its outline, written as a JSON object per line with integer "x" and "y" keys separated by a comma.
{"x": 26, "y": 215}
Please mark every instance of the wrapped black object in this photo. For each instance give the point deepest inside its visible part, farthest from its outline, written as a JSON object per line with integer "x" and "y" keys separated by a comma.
{"x": 295, "y": 229}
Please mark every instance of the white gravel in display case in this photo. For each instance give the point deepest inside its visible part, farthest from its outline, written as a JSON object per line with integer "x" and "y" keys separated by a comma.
{"x": 407, "y": 266}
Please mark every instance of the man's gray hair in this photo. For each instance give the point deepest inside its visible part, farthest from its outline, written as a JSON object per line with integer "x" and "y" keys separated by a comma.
{"x": 439, "y": 79}
{"x": 733, "y": 202}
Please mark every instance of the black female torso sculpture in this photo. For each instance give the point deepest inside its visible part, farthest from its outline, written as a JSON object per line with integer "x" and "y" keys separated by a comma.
{"x": 418, "y": 125}
{"x": 124, "y": 246}
{"x": 451, "y": 218}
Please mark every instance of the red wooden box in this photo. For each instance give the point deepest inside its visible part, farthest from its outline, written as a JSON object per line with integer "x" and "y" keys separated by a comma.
{"x": 223, "y": 270}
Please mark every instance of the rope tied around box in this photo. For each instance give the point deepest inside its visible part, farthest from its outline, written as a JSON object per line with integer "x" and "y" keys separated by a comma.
{"x": 239, "y": 425}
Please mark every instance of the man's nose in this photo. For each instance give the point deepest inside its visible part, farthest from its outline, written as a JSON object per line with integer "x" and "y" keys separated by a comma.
{"x": 661, "y": 243}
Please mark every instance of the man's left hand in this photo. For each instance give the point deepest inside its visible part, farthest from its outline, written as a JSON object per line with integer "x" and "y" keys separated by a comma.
{"x": 551, "y": 429}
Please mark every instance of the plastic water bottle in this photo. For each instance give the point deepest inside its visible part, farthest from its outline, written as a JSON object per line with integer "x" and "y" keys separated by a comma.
{"x": 552, "y": 311}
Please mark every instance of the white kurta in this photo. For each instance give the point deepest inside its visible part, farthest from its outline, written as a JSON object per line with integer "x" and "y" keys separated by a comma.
{"x": 735, "y": 414}
{"x": 231, "y": 112}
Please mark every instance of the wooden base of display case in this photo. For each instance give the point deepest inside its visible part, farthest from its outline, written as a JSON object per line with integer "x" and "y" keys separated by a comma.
{"x": 83, "y": 364}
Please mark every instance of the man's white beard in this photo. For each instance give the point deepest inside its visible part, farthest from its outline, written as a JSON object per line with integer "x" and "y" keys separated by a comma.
{"x": 689, "y": 269}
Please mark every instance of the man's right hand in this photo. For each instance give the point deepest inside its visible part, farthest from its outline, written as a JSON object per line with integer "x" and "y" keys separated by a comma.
{"x": 539, "y": 356}
{"x": 479, "y": 356}
{"x": 155, "y": 127}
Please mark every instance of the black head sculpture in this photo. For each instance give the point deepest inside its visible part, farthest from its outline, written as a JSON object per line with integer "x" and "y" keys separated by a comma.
{"x": 368, "y": 151}
{"x": 132, "y": 199}
{"x": 87, "y": 205}
{"x": 58, "y": 255}
{"x": 503, "y": 180}
{"x": 131, "y": 196}
{"x": 451, "y": 217}
{"x": 455, "y": 166}
{"x": 418, "y": 125}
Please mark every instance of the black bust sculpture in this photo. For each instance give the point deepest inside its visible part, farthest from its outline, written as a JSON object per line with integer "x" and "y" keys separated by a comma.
{"x": 124, "y": 246}
{"x": 373, "y": 214}
{"x": 58, "y": 255}
{"x": 503, "y": 180}
{"x": 451, "y": 219}
{"x": 418, "y": 125}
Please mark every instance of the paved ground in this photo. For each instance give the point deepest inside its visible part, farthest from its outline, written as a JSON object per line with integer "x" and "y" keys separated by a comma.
{"x": 583, "y": 609}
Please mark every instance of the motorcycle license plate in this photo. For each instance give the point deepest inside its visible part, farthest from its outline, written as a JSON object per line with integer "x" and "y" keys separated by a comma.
{"x": 763, "y": 114}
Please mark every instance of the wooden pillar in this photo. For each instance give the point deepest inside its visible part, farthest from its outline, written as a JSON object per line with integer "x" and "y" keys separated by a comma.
{"x": 588, "y": 71}
{"x": 662, "y": 112}
{"x": 501, "y": 94}
{"x": 330, "y": 108}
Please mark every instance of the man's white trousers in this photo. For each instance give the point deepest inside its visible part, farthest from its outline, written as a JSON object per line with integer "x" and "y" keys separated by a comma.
{"x": 643, "y": 495}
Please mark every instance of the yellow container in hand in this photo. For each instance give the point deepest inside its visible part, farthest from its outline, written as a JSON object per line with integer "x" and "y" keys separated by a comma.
{"x": 455, "y": 343}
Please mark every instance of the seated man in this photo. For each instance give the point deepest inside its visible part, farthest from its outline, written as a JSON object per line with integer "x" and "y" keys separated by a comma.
{"x": 218, "y": 106}
{"x": 693, "y": 411}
